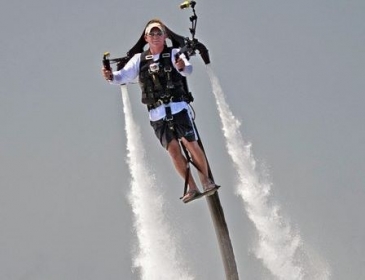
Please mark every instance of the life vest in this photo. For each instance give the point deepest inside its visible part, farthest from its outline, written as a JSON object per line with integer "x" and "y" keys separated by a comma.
{"x": 160, "y": 82}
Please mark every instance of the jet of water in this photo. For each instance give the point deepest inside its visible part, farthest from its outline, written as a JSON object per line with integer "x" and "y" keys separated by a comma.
{"x": 279, "y": 247}
{"x": 158, "y": 256}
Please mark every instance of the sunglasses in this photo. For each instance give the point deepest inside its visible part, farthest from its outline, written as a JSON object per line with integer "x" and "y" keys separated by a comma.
{"x": 156, "y": 33}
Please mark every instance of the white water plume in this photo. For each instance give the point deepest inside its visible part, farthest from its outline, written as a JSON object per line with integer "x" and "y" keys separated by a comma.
{"x": 279, "y": 247}
{"x": 158, "y": 254}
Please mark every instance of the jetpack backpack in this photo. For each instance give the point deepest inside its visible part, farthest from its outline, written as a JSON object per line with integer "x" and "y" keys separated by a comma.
{"x": 186, "y": 45}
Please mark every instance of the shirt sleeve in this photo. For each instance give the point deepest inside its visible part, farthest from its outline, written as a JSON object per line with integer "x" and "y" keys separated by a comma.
{"x": 128, "y": 73}
{"x": 188, "y": 69}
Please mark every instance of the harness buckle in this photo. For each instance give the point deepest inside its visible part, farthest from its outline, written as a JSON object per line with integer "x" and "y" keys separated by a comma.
{"x": 153, "y": 68}
{"x": 169, "y": 116}
{"x": 158, "y": 103}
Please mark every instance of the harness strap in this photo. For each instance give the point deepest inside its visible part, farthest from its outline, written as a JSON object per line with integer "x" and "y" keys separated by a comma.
{"x": 187, "y": 169}
{"x": 166, "y": 60}
{"x": 169, "y": 118}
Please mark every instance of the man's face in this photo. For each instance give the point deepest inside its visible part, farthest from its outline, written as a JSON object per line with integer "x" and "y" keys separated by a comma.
{"x": 156, "y": 37}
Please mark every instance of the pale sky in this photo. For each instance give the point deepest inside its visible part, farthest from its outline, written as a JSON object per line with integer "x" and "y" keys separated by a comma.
{"x": 292, "y": 73}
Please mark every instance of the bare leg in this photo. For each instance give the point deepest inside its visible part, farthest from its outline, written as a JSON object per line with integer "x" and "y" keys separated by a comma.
{"x": 199, "y": 159}
{"x": 180, "y": 162}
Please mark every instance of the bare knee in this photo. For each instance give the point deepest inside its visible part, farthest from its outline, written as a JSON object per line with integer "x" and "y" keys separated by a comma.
{"x": 193, "y": 147}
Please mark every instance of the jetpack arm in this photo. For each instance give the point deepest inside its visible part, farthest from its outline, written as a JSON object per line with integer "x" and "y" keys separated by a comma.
{"x": 190, "y": 48}
{"x": 121, "y": 61}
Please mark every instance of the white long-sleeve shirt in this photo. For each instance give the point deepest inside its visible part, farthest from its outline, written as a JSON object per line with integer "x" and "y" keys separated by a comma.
{"x": 131, "y": 71}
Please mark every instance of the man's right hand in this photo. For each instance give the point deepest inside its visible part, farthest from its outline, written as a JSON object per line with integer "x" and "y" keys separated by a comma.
{"x": 107, "y": 74}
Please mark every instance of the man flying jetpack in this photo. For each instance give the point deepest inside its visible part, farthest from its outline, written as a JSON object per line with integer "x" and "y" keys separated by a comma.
{"x": 162, "y": 72}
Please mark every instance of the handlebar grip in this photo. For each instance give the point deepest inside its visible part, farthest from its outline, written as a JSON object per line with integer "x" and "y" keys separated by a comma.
{"x": 106, "y": 62}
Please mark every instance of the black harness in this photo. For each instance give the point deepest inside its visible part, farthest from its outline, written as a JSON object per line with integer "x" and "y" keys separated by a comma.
{"x": 160, "y": 82}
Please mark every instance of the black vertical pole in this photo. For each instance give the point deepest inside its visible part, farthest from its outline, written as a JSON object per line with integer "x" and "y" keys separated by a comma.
{"x": 221, "y": 228}
{"x": 222, "y": 233}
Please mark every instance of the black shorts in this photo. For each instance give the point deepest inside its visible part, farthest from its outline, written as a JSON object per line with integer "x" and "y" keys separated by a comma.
{"x": 183, "y": 127}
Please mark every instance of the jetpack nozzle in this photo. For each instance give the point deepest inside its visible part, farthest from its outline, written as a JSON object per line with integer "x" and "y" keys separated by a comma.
{"x": 203, "y": 51}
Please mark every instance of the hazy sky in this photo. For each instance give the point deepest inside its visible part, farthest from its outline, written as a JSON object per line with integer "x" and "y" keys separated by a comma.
{"x": 292, "y": 73}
